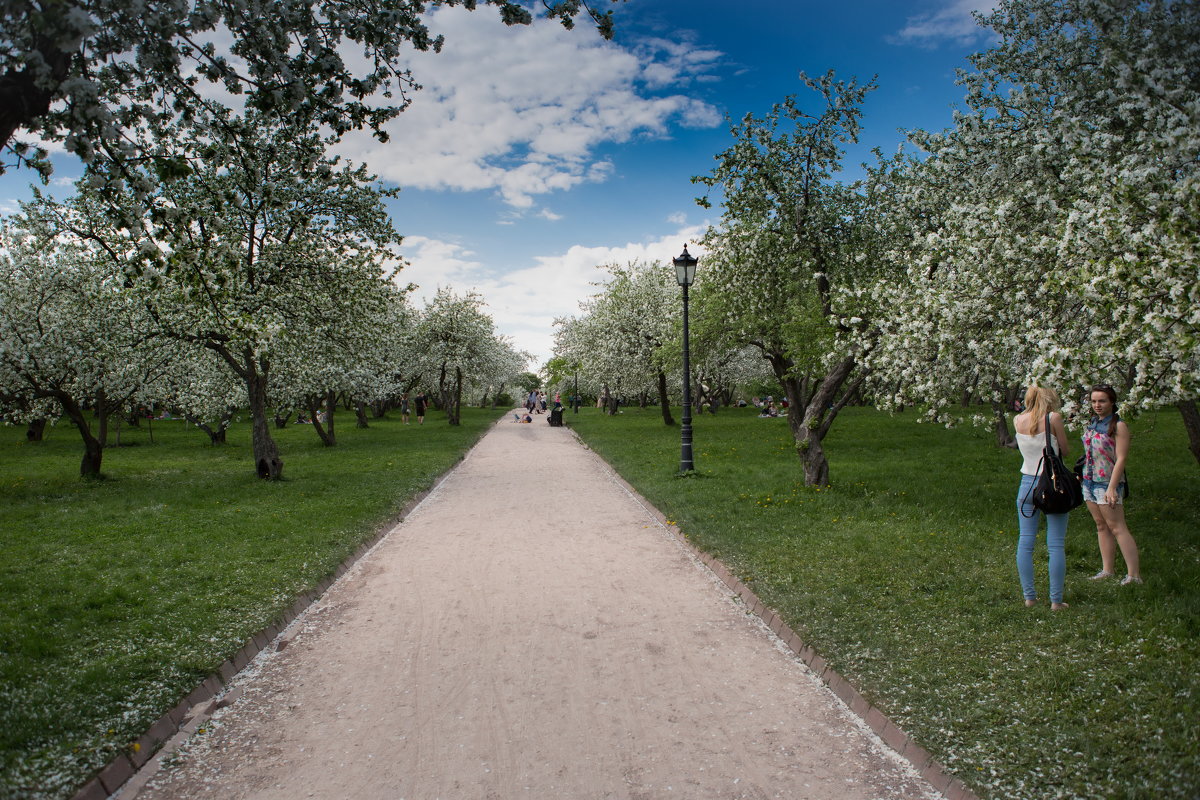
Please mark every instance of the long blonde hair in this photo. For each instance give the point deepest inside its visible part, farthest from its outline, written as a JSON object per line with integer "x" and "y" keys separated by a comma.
{"x": 1040, "y": 401}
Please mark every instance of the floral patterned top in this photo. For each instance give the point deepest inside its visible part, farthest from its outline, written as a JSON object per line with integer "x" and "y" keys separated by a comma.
{"x": 1099, "y": 451}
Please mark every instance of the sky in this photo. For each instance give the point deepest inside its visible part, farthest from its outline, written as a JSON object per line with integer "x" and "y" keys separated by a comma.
{"x": 532, "y": 156}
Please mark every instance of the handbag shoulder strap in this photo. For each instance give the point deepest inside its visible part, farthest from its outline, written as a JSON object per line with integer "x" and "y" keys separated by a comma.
{"x": 1049, "y": 446}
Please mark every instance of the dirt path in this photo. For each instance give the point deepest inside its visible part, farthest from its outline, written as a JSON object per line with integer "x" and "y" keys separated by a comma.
{"x": 530, "y": 631}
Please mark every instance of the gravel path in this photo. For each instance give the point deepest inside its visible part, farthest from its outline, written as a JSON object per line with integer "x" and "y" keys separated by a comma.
{"x": 531, "y": 631}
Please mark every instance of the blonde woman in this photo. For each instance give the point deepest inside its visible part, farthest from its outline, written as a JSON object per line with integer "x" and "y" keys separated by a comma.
{"x": 1031, "y": 439}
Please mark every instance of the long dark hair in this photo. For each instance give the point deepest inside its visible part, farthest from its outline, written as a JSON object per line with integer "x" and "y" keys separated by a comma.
{"x": 1112, "y": 395}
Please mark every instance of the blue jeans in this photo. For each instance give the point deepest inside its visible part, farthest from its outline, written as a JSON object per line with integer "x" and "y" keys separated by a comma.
{"x": 1056, "y": 538}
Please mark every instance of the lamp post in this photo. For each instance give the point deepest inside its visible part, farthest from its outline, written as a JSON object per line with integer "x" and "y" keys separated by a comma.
{"x": 575, "y": 396}
{"x": 685, "y": 274}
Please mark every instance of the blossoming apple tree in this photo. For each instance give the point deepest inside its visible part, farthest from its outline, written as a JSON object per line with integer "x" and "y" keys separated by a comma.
{"x": 88, "y": 72}
{"x": 456, "y": 343}
{"x": 792, "y": 240}
{"x": 256, "y": 244}
{"x": 71, "y": 338}
{"x": 620, "y": 338}
{"x": 1065, "y": 248}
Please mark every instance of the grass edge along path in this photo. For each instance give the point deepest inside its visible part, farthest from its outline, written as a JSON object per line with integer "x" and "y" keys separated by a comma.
{"x": 901, "y": 577}
{"x": 127, "y": 601}
{"x": 891, "y": 734}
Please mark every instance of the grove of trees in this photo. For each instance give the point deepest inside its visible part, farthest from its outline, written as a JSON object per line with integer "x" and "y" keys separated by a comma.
{"x": 214, "y": 257}
{"x": 1050, "y": 235}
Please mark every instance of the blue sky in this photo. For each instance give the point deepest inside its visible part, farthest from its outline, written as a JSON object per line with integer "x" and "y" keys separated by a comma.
{"x": 534, "y": 155}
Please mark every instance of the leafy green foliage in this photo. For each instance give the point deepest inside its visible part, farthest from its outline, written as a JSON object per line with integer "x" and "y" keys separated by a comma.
{"x": 528, "y": 382}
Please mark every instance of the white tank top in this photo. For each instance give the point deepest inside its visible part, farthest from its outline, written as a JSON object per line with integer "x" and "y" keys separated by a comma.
{"x": 1031, "y": 450}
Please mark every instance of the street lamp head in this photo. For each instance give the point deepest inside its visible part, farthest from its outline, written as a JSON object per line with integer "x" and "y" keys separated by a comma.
{"x": 685, "y": 267}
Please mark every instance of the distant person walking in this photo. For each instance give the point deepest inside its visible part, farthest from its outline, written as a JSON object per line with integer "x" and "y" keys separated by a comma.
{"x": 404, "y": 407}
{"x": 420, "y": 401}
{"x": 1105, "y": 448}
{"x": 1040, "y": 404}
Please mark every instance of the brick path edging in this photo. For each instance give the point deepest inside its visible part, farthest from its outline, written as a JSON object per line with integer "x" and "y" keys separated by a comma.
{"x": 200, "y": 703}
{"x": 892, "y": 734}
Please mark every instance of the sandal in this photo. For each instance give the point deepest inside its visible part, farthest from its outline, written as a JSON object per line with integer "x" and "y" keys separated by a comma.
{"x": 1128, "y": 579}
{"x": 1101, "y": 575}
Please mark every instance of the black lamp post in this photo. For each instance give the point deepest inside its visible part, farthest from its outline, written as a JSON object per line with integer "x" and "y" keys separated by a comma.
{"x": 575, "y": 397}
{"x": 685, "y": 274}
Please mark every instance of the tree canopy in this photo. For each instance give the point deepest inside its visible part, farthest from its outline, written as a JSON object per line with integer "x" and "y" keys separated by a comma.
{"x": 89, "y": 73}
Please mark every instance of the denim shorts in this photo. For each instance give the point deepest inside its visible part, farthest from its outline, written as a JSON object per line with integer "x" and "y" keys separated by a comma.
{"x": 1093, "y": 492}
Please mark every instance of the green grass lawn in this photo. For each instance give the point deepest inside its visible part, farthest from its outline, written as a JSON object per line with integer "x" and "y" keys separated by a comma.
{"x": 902, "y": 575}
{"x": 118, "y": 596}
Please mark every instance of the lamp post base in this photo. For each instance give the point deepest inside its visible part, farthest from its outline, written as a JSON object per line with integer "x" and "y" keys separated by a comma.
{"x": 686, "y": 461}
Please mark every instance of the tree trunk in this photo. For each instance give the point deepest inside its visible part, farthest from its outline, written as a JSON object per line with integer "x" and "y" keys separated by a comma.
{"x": 330, "y": 408}
{"x": 443, "y": 392}
{"x": 93, "y": 455}
{"x": 379, "y": 409}
{"x": 663, "y": 400}
{"x": 93, "y": 447}
{"x": 102, "y": 412}
{"x": 324, "y": 430}
{"x": 36, "y": 430}
{"x": 360, "y": 411}
{"x": 1004, "y": 437}
{"x": 216, "y": 435}
{"x": 819, "y": 417}
{"x": 1191, "y": 423}
{"x": 454, "y": 406}
{"x": 267, "y": 463}
{"x": 281, "y": 421}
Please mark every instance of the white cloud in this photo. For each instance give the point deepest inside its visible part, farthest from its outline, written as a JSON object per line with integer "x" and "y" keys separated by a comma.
{"x": 952, "y": 22}
{"x": 433, "y": 263}
{"x": 521, "y": 110}
{"x": 525, "y": 301}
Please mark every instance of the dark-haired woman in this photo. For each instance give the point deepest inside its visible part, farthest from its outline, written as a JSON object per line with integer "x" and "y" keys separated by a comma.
{"x": 1105, "y": 448}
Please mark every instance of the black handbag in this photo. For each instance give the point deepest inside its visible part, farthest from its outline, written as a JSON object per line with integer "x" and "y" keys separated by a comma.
{"x": 1057, "y": 490}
